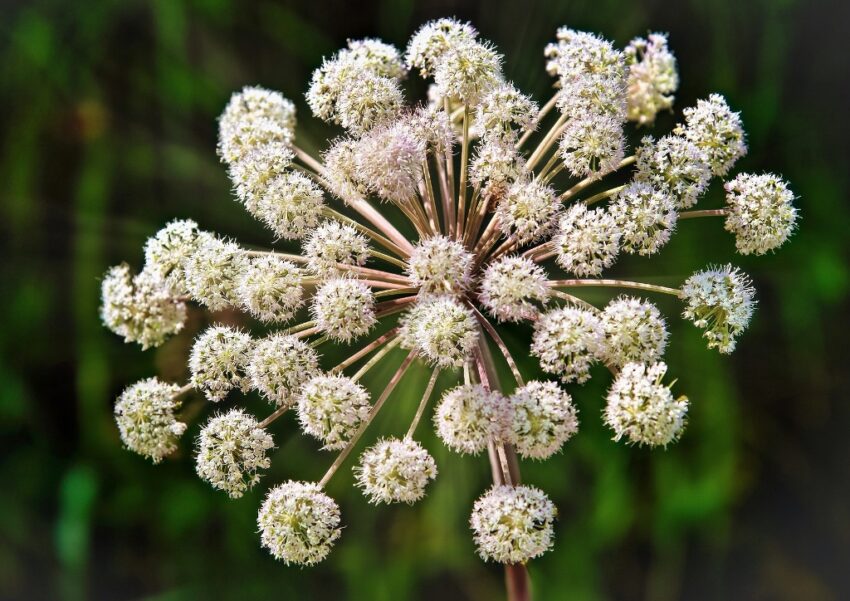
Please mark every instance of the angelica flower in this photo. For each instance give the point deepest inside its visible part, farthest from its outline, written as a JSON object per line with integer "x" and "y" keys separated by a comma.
{"x": 232, "y": 448}
{"x": 716, "y": 129}
{"x": 445, "y": 331}
{"x": 720, "y": 301}
{"x": 674, "y": 164}
{"x": 389, "y": 161}
{"x": 166, "y": 252}
{"x": 279, "y": 365}
{"x": 568, "y": 341}
{"x": 372, "y": 101}
{"x": 592, "y": 145}
{"x": 254, "y": 117}
{"x": 270, "y": 288}
{"x": 299, "y": 523}
{"x": 332, "y": 243}
{"x": 502, "y": 108}
{"x": 394, "y": 471}
{"x": 512, "y": 524}
{"x": 467, "y": 71}
{"x": 469, "y": 416}
{"x": 140, "y": 308}
{"x": 511, "y": 285}
{"x": 760, "y": 212}
{"x": 440, "y": 264}
{"x": 495, "y": 165}
{"x": 254, "y": 173}
{"x": 543, "y": 419}
{"x": 642, "y": 409}
{"x": 213, "y": 271}
{"x": 344, "y": 308}
{"x": 218, "y": 361}
{"x": 428, "y": 45}
{"x": 652, "y": 78}
{"x": 291, "y": 205}
{"x": 527, "y": 211}
{"x": 341, "y": 170}
{"x": 635, "y": 332}
{"x": 587, "y": 241}
{"x": 331, "y": 408}
{"x": 145, "y": 417}
{"x": 646, "y": 218}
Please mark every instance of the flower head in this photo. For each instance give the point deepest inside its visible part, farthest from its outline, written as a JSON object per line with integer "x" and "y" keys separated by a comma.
{"x": 512, "y": 524}
{"x": 444, "y": 331}
{"x": 145, "y": 417}
{"x": 720, "y": 301}
{"x": 279, "y": 365}
{"x": 291, "y": 206}
{"x": 440, "y": 264}
{"x": 467, "y": 71}
{"x": 331, "y": 408}
{"x": 166, "y": 252}
{"x": 543, "y": 419}
{"x": 501, "y": 109}
{"x": 254, "y": 117}
{"x": 270, "y": 288}
{"x": 299, "y": 523}
{"x": 344, "y": 308}
{"x": 635, "y": 332}
{"x": 760, "y": 213}
{"x": 332, "y": 243}
{"x": 232, "y": 448}
{"x": 642, "y": 409}
{"x": 715, "y": 129}
{"x": 213, "y": 271}
{"x": 652, "y": 78}
{"x": 428, "y": 45}
{"x": 141, "y": 308}
{"x": 395, "y": 471}
{"x": 469, "y": 416}
{"x": 646, "y": 218}
{"x": 593, "y": 145}
{"x": 218, "y": 361}
{"x": 527, "y": 211}
{"x": 567, "y": 341}
{"x": 389, "y": 161}
{"x": 587, "y": 241}
{"x": 511, "y": 285}
{"x": 676, "y": 165}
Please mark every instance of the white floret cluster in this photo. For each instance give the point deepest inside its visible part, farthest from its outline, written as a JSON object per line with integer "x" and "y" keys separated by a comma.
{"x": 430, "y": 239}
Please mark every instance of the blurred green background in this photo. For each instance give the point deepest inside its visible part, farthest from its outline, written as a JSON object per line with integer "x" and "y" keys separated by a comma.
{"x": 108, "y": 131}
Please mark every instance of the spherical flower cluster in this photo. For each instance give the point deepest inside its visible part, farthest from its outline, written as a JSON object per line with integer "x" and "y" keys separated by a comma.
{"x": 279, "y": 365}
{"x": 344, "y": 308}
{"x": 428, "y": 45}
{"x": 270, "y": 288}
{"x": 341, "y": 172}
{"x": 332, "y": 243}
{"x": 212, "y": 272}
{"x": 232, "y": 448}
{"x": 567, "y": 341}
{"x": 501, "y": 109}
{"x": 389, "y": 161}
{"x": 254, "y": 117}
{"x": 218, "y": 361}
{"x": 720, "y": 301}
{"x": 543, "y": 419}
{"x": 358, "y": 87}
{"x": 467, "y": 71}
{"x": 652, "y": 78}
{"x": 395, "y": 471}
{"x": 715, "y": 129}
{"x": 495, "y": 166}
{"x": 443, "y": 330}
{"x": 298, "y": 523}
{"x": 291, "y": 206}
{"x": 592, "y": 147}
{"x": 255, "y": 172}
{"x": 760, "y": 212}
{"x": 331, "y": 408}
{"x": 635, "y": 332}
{"x": 587, "y": 241}
{"x": 510, "y": 287}
{"x": 527, "y": 211}
{"x": 642, "y": 409}
{"x": 166, "y": 252}
{"x": 512, "y": 524}
{"x": 145, "y": 417}
{"x": 440, "y": 264}
{"x": 140, "y": 308}
{"x": 645, "y": 216}
{"x": 469, "y": 416}
{"x": 676, "y": 165}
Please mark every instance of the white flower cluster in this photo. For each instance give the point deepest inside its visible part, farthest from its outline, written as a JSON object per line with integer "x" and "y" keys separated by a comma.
{"x": 457, "y": 205}
{"x": 232, "y": 448}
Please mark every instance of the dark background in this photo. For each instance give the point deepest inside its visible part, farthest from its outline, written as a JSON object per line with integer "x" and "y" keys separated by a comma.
{"x": 108, "y": 130}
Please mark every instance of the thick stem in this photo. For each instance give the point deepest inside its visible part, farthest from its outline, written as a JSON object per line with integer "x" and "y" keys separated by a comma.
{"x": 423, "y": 403}
{"x": 705, "y": 213}
{"x": 464, "y": 165}
{"x": 615, "y": 284}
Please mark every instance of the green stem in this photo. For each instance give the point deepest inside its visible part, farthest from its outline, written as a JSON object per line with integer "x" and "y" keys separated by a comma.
{"x": 615, "y": 284}
{"x": 705, "y": 213}
{"x": 423, "y": 403}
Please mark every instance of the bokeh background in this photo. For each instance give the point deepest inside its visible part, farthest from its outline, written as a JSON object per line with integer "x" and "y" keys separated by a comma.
{"x": 108, "y": 130}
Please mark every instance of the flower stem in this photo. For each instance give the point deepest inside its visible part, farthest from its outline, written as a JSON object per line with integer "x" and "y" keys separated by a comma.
{"x": 464, "y": 165}
{"x": 540, "y": 115}
{"x": 365, "y": 350}
{"x": 375, "y": 408}
{"x": 614, "y": 283}
{"x": 376, "y": 358}
{"x": 705, "y": 213}
{"x": 602, "y": 195}
{"x": 590, "y": 180}
{"x": 423, "y": 403}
